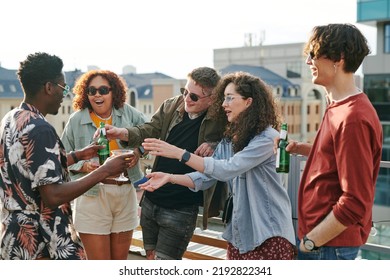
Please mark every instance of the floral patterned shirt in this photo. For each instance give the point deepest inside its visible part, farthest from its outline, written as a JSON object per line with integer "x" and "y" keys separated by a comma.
{"x": 32, "y": 155}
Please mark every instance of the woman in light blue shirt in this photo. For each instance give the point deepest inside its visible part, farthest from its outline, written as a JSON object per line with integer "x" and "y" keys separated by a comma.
{"x": 261, "y": 222}
{"x": 106, "y": 215}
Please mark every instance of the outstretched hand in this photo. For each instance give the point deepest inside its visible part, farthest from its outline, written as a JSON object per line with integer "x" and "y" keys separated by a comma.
{"x": 156, "y": 180}
{"x": 90, "y": 151}
{"x": 113, "y": 132}
{"x": 292, "y": 145}
{"x": 206, "y": 149}
{"x": 118, "y": 164}
{"x": 161, "y": 148}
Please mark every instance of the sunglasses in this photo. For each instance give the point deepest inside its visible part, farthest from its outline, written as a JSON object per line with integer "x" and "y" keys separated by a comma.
{"x": 193, "y": 96}
{"x": 65, "y": 88}
{"x": 311, "y": 55}
{"x": 103, "y": 90}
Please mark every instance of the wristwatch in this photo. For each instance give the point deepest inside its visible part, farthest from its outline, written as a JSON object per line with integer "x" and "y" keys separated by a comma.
{"x": 185, "y": 157}
{"x": 141, "y": 150}
{"x": 309, "y": 244}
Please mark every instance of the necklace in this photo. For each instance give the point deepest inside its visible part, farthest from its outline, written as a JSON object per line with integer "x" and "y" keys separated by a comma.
{"x": 104, "y": 119}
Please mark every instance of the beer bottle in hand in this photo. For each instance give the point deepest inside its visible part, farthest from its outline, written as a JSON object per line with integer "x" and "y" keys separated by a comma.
{"x": 102, "y": 140}
{"x": 282, "y": 156}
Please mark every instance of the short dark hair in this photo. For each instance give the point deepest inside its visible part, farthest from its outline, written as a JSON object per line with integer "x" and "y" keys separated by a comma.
{"x": 336, "y": 41}
{"x": 205, "y": 77}
{"x": 37, "y": 69}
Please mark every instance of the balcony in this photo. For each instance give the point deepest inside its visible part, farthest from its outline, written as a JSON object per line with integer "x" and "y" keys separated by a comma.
{"x": 208, "y": 244}
{"x": 378, "y": 244}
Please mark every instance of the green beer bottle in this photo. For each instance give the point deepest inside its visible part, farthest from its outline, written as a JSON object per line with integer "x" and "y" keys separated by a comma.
{"x": 102, "y": 140}
{"x": 282, "y": 156}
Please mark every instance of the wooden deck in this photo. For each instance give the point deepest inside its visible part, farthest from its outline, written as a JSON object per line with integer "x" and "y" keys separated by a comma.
{"x": 204, "y": 245}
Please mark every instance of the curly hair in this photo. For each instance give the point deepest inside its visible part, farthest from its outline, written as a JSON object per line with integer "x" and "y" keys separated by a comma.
{"x": 38, "y": 69}
{"x": 117, "y": 84}
{"x": 336, "y": 41}
{"x": 262, "y": 112}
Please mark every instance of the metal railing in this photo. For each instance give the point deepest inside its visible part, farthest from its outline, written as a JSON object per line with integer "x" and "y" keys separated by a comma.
{"x": 292, "y": 180}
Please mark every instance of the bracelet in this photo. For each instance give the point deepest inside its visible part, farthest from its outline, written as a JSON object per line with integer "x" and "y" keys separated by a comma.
{"x": 172, "y": 180}
{"x": 73, "y": 155}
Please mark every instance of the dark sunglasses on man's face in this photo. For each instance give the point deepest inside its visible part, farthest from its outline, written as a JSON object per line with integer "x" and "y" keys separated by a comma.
{"x": 193, "y": 96}
{"x": 103, "y": 90}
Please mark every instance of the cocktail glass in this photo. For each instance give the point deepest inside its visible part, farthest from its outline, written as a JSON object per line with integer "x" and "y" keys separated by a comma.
{"x": 118, "y": 152}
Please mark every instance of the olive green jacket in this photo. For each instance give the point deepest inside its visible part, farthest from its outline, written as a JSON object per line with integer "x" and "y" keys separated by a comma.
{"x": 167, "y": 116}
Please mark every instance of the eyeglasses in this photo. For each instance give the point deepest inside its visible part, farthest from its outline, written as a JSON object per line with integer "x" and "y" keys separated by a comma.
{"x": 66, "y": 89}
{"x": 228, "y": 99}
{"x": 194, "y": 97}
{"x": 103, "y": 90}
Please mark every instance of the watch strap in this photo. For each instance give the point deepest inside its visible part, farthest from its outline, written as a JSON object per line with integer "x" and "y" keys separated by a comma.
{"x": 141, "y": 150}
{"x": 307, "y": 240}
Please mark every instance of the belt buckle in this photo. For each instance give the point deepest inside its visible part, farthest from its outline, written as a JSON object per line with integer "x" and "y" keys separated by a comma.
{"x": 120, "y": 183}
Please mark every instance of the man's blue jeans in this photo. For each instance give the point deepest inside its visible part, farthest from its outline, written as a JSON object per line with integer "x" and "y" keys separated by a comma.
{"x": 329, "y": 253}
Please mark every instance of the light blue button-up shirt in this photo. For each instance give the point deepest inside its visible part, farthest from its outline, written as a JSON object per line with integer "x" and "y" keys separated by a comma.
{"x": 261, "y": 206}
{"x": 79, "y": 131}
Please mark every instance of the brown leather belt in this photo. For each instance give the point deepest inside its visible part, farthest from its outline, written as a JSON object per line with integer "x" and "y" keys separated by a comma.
{"x": 112, "y": 181}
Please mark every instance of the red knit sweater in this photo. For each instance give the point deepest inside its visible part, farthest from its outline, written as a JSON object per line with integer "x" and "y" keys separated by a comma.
{"x": 341, "y": 171}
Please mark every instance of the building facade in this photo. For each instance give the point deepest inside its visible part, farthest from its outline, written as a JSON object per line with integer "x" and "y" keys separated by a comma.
{"x": 376, "y": 68}
{"x": 302, "y": 106}
{"x": 145, "y": 92}
{"x": 376, "y": 84}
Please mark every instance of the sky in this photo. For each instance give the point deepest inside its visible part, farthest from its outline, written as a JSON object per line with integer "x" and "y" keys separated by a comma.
{"x": 171, "y": 37}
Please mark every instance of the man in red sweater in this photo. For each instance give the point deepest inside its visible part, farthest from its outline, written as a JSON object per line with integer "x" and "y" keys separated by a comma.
{"x": 337, "y": 188}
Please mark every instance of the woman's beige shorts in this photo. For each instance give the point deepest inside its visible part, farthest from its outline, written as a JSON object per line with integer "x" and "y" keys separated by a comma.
{"x": 113, "y": 210}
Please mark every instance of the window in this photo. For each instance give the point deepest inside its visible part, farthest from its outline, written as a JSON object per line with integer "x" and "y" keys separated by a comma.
{"x": 387, "y": 38}
{"x": 12, "y": 88}
{"x": 292, "y": 91}
{"x": 377, "y": 88}
{"x": 294, "y": 69}
{"x": 308, "y": 109}
{"x": 132, "y": 98}
{"x": 279, "y": 91}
